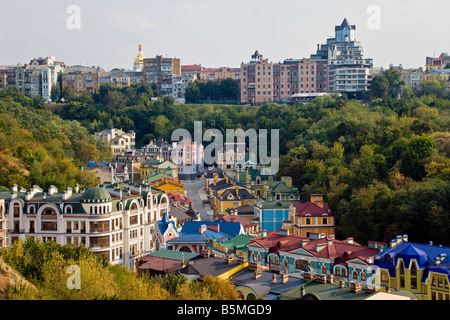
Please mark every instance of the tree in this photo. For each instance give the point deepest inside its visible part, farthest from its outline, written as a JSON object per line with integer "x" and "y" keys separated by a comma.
{"x": 394, "y": 78}
{"x": 379, "y": 88}
{"x": 192, "y": 94}
{"x": 416, "y": 156}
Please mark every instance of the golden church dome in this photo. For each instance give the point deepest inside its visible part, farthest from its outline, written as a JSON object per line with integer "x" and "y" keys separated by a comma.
{"x": 140, "y": 58}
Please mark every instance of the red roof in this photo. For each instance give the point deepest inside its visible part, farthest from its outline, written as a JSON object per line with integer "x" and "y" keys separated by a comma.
{"x": 275, "y": 241}
{"x": 158, "y": 263}
{"x": 192, "y": 67}
{"x": 176, "y": 197}
{"x": 301, "y": 209}
{"x": 244, "y": 222}
{"x": 340, "y": 250}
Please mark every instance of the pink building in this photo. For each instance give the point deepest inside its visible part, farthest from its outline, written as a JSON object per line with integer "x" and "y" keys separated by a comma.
{"x": 188, "y": 156}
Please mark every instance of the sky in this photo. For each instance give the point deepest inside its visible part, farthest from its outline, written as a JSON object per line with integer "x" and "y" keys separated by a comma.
{"x": 217, "y": 33}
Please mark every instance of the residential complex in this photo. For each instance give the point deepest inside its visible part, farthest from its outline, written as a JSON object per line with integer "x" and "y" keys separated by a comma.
{"x": 348, "y": 71}
{"x": 82, "y": 78}
{"x": 115, "y": 223}
{"x": 163, "y": 72}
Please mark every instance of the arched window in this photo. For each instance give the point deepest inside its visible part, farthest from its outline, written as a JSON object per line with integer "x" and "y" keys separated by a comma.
{"x": 363, "y": 276}
{"x": 133, "y": 206}
{"x": 344, "y": 272}
{"x": 324, "y": 269}
{"x": 95, "y": 210}
{"x": 68, "y": 209}
{"x": 413, "y": 269}
{"x": 16, "y": 210}
{"x": 32, "y": 210}
{"x": 338, "y": 271}
{"x": 355, "y": 275}
{"x": 401, "y": 268}
{"x": 48, "y": 212}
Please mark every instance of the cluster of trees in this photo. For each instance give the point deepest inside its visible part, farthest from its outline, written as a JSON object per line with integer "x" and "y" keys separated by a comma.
{"x": 223, "y": 90}
{"x": 46, "y": 265}
{"x": 382, "y": 164}
{"x": 39, "y": 148}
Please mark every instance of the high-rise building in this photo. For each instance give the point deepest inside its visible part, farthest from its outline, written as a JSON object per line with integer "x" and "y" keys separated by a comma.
{"x": 161, "y": 72}
{"x": 263, "y": 81}
{"x": 348, "y": 71}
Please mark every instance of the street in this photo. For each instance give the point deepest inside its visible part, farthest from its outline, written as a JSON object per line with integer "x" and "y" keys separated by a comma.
{"x": 195, "y": 189}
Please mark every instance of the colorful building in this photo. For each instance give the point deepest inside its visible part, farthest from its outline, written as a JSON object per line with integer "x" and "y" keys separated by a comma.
{"x": 313, "y": 216}
{"x": 422, "y": 269}
{"x": 433, "y": 63}
{"x": 271, "y": 214}
{"x": 164, "y": 230}
{"x": 169, "y": 186}
{"x": 195, "y": 235}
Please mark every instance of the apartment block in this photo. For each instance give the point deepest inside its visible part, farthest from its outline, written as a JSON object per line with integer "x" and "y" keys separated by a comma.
{"x": 114, "y": 223}
{"x": 161, "y": 72}
{"x": 82, "y": 78}
{"x": 348, "y": 71}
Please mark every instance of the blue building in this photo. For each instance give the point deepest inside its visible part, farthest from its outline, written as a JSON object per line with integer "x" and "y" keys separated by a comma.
{"x": 271, "y": 214}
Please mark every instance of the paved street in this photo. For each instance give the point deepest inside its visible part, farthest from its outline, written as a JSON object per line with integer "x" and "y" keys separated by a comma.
{"x": 195, "y": 189}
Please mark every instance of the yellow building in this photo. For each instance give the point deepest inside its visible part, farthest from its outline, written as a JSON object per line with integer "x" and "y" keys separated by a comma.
{"x": 170, "y": 186}
{"x": 422, "y": 269}
{"x": 227, "y": 194}
{"x": 309, "y": 217}
{"x": 82, "y": 79}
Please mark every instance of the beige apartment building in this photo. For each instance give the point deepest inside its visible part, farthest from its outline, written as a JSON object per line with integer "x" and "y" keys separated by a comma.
{"x": 263, "y": 81}
{"x": 82, "y": 78}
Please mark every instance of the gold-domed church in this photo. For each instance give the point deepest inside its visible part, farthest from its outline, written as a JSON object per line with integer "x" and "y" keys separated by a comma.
{"x": 139, "y": 60}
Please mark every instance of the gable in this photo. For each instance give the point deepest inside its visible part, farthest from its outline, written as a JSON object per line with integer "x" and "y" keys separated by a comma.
{"x": 357, "y": 261}
{"x": 301, "y": 251}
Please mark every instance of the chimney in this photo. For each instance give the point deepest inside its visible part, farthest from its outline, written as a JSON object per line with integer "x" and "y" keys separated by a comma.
{"x": 392, "y": 243}
{"x": 350, "y": 240}
{"x": 341, "y": 283}
{"x": 284, "y": 278}
{"x": 52, "y": 190}
{"x": 274, "y": 278}
{"x": 202, "y": 228}
{"x": 67, "y": 194}
{"x": 283, "y": 232}
{"x": 257, "y": 274}
{"x": 14, "y": 188}
{"x": 304, "y": 241}
{"x": 317, "y": 199}
{"x": 355, "y": 286}
{"x": 405, "y": 238}
{"x": 307, "y": 276}
{"x": 264, "y": 234}
{"x": 302, "y": 291}
{"x": 77, "y": 188}
{"x": 215, "y": 227}
{"x": 330, "y": 278}
{"x": 398, "y": 239}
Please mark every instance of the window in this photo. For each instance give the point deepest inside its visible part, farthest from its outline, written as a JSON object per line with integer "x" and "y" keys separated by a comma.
{"x": 355, "y": 275}
{"x": 308, "y": 221}
{"x": 324, "y": 221}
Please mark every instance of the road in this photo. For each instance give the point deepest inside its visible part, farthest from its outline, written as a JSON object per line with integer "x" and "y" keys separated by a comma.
{"x": 195, "y": 189}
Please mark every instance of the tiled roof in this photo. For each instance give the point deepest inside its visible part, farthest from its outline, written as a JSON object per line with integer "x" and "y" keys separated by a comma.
{"x": 311, "y": 208}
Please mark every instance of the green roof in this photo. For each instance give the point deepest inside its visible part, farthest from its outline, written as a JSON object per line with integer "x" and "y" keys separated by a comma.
{"x": 96, "y": 194}
{"x": 175, "y": 255}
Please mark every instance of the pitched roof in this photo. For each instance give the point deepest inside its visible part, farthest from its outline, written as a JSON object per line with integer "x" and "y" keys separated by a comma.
{"x": 301, "y": 209}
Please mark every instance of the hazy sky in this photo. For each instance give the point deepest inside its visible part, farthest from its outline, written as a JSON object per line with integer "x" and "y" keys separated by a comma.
{"x": 217, "y": 33}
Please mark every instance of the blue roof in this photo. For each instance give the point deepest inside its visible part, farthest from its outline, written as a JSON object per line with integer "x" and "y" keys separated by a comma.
{"x": 231, "y": 229}
{"x": 424, "y": 254}
{"x": 163, "y": 224}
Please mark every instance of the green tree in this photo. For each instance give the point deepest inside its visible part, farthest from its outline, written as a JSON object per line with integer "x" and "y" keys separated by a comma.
{"x": 379, "y": 88}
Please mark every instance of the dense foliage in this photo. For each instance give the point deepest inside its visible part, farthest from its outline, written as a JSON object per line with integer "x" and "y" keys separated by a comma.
{"x": 39, "y": 148}
{"x": 45, "y": 265}
{"x": 382, "y": 164}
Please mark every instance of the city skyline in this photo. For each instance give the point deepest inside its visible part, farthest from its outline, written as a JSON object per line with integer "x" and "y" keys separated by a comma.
{"x": 218, "y": 33}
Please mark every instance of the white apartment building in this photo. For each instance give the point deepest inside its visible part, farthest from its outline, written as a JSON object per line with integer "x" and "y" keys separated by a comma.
{"x": 116, "y": 224}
